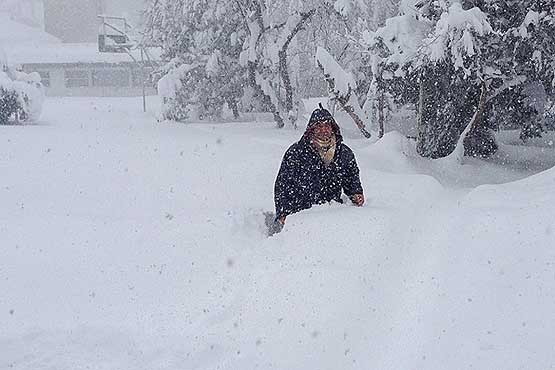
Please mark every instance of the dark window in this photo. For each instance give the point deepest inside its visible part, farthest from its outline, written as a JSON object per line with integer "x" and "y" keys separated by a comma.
{"x": 77, "y": 78}
{"x": 45, "y": 78}
{"x": 110, "y": 77}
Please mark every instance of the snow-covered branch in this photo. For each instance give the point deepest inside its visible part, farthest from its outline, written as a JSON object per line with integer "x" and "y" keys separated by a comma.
{"x": 341, "y": 86}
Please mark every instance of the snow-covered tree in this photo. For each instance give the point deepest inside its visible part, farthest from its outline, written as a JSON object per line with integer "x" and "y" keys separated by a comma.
{"x": 454, "y": 63}
{"x": 393, "y": 59}
{"x": 201, "y": 42}
{"x": 454, "y": 49}
{"x": 216, "y": 49}
{"x": 524, "y": 54}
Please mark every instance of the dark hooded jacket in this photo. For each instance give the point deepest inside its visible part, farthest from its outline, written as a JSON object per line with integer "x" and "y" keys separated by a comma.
{"x": 304, "y": 180}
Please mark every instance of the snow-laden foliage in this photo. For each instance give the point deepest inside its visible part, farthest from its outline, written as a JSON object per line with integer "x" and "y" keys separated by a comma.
{"x": 176, "y": 98}
{"x": 456, "y": 37}
{"x": 255, "y": 54}
{"x": 398, "y": 42}
{"x": 201, "y": 48}
{"x": 21, "y": 94}
{"x": 450, "y": 49}
{"x": 341, "y": 88}
{"x": 344, "y": 82}
{"x": 432, "y": 56}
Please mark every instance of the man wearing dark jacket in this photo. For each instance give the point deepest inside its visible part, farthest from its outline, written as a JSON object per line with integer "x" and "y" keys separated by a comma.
{"x": 315, "y": 170}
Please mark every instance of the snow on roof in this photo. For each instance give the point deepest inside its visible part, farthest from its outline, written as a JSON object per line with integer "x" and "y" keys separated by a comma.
{"x": 14, "y": 33}
{"x": 69, "y": 54}
{"x": 27, "y": 45}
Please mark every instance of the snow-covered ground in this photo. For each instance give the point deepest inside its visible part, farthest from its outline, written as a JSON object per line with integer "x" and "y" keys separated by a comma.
{"x": 128, "y": 244}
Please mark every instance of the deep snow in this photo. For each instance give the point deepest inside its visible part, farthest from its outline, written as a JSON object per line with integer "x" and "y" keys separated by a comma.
{"x": 128, "y": 244}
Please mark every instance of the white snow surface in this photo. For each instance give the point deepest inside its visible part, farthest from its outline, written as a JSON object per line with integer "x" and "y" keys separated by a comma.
{"x": 127, "y": 244}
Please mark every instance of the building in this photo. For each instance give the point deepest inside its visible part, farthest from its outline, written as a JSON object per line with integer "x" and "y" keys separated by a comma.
{"x": 80, "y": 70}
{"x": 75, "y": 21}
{"x": 72, "y": 21}
{"x": 72, "y": 68}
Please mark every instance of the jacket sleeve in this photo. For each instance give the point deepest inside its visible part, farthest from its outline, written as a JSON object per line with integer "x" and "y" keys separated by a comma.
{"x": 351, "y": 180}
{"x": 286, "y": 190}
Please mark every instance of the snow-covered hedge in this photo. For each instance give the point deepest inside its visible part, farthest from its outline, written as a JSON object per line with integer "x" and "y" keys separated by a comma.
{"x": 21, "y": 94}
{"x": 176, "y": 100}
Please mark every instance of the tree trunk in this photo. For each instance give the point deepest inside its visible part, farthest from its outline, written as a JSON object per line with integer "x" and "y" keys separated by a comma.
{"x": 232, "y": 103}
{"x": 381, "y": 107}
{"x": 284, "y": 74}
{"x": 258, "y": 8}
{"x": 447, "y": 103}
{"x": 282, "y": 55}
{"x": 459, "y": 150}
{"x": 479, "y": 141}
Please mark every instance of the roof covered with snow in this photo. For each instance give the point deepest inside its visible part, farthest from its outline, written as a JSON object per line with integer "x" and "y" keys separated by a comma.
{"x": 14, "y": 33}
{"x": 23, "y": 44}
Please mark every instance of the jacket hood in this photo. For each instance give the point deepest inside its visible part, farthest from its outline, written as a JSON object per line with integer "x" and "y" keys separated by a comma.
{"x": 319, "y": 115}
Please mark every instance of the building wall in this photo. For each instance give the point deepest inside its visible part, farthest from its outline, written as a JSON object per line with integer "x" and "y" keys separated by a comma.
{"x": 72, "y": 20}
{"x": 93, "y": 79}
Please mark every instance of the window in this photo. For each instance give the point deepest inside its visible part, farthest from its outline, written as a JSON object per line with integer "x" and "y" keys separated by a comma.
{"x": 110, "y": 77}
{"x": 45, "y": 78}
{"x": 77, "y": 78}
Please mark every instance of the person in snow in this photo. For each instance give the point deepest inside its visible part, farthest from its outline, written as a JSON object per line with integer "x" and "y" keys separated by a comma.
{"x": 315, "y": 170}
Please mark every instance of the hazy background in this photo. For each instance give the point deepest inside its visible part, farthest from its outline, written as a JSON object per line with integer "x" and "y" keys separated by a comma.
{"x": 70, "y": 20}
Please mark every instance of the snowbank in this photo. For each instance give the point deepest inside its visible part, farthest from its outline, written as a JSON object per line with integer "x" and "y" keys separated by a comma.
{"x": 166, "y": 265}
{"x": 531, "y": 194}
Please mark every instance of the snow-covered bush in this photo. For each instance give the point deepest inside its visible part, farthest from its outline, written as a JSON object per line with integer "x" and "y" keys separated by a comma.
{"x": 177, "y": 99}
{"x": 21, "y": 94}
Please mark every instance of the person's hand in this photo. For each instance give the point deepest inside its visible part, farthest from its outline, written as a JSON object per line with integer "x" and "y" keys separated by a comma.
{"x": 276, "y": 226}
{"x": 358, "y": 200}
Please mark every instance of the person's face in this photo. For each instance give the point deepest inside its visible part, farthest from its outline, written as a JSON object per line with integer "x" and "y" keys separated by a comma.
{"x": 323, "y": 131}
